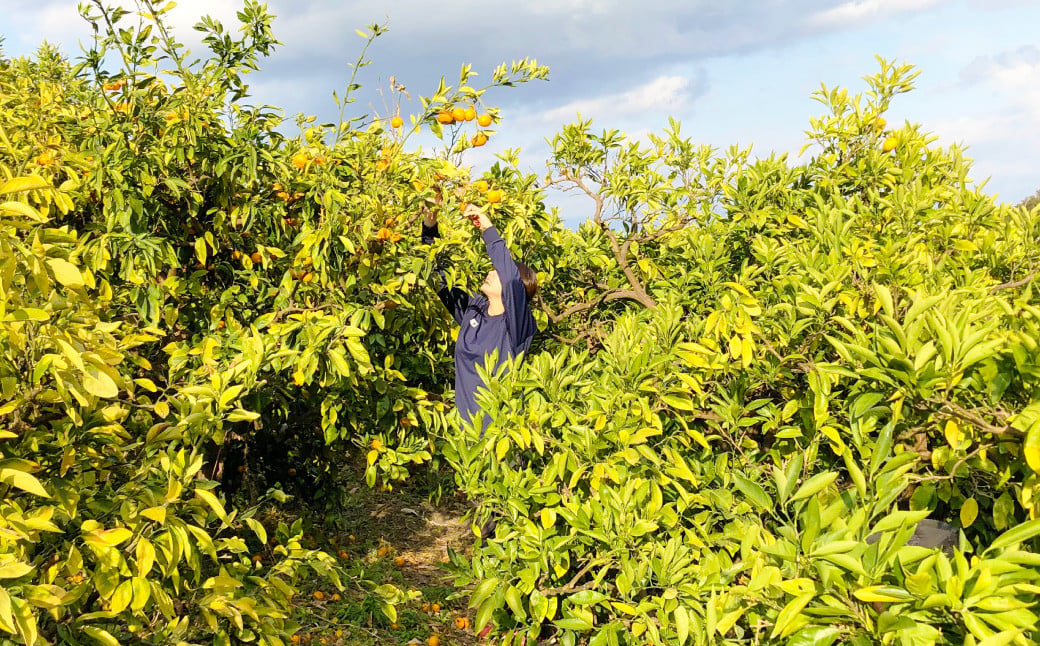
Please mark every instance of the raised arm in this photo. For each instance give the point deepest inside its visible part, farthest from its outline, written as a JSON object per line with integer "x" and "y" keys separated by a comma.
{"x": 455, "y": 299}
{"x": 514, "y": 295}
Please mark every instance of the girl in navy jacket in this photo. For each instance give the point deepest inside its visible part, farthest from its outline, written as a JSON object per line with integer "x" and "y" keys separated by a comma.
{"x": 497, "y": 317}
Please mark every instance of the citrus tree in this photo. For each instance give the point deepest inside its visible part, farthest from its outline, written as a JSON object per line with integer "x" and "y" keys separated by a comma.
{"x": 783, "y": 368}
{"x": 193, "y": 298}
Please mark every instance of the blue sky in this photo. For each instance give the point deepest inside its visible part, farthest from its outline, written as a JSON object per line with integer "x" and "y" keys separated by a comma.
{"x": 734, "y": 72}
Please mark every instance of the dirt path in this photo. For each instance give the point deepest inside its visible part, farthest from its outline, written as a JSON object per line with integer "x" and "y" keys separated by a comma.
{"x": 400, "y": 538}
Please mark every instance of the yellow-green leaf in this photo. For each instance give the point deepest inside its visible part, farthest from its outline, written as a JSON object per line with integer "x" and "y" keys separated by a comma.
{"x": 14, "y": 570}
{"x": 1031, "y": 447}
{"x": 882, "y": 593}
{"x": 101, "y": 636}
{"x": 548, "y": 517}
{"x": 6, "y": 616}
{"x": 26, "y": 183}
{"x": 158, "y": 514}
{"x": 969, "y": 512}
{"x": 22, "y": 209}
{"x": 122, "y": 597}
{"x": 99, "y": 384}
{"x": 25, "y": 481}
{"x": 214, "y": 504}
{"x": 65, "y": 272}
{"x": 785, "y": 621}
{"x": 108, "y": 537}
{"x": 25, "y": 620}
{"x": 682, "y": 624}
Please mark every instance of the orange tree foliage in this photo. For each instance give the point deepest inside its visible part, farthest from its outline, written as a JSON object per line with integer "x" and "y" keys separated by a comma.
{"x": 755, "y": 377}
{"x": 177, "y": 275}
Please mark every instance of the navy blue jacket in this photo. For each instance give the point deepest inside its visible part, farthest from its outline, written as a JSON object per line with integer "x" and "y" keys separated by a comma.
{"x": 480, "y": 334}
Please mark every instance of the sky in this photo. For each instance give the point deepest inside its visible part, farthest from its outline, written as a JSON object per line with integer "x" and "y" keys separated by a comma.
{"x": 733, "y": 72}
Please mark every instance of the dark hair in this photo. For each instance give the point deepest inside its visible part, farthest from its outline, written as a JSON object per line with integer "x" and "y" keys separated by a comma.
{"x": 528, "y": 278}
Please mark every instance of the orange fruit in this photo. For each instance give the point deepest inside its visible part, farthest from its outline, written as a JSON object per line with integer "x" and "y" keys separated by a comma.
{"x": 255, "y": 256}
{"x": 319, "y": 595}
{"x": 484, "y": 120}
{"x": 396, "y": 122}
{"x": 300, "y": 159}
{"x": 343, "y": 554}
{"x": 235, "y": 255}
{"x": 494, "y": 196}
{"x": 479, "y": 140}
{"x": 890, "y": 144}
{"x": 308, "y": 277}
{"x": 382, "y": 165}
{"x": 879, "y": 125}
{"x": 45, "y": 158}
{"x": 336, "y": 597}
{"x": 445, "y": 116}
{"x": 399, "y": 561}
{"x": 434, "y": 640}
{"x": 351, "y": 538}
{"x": 220, "y": 326}
{"x": 436, "y": 607}
{"x": 425, "y": 607}
{"x": 458, "y": 114}
{"x": 470, "y": 114}
{"x": 295, "y": 639}
{"x": 292, "y": 471}
{"x": 461, "y": 623}
{"x": 481, "y": 185}
{"x": 382, "y": 551}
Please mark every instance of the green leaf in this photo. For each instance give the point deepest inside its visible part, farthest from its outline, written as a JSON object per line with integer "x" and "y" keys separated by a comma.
{"x": 482, "y": 591}
{"x": 515, "y": 602}
{"x": 1016, "y": 535}
{"x": 753, "y": 491}
{"x": 574, "y": 623}
{"x": 587, "y": 598}
{"x": 882, "y": 593}
{"x": 814, "y": 485}
{"x": 785, "y": 621}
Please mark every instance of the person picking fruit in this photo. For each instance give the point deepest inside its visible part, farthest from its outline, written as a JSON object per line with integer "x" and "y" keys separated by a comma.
{"x": 496, "y": 318}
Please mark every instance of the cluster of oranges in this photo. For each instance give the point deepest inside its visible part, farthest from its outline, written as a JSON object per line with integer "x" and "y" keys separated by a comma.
{"x": 460, "y": 114}
{"x": 301, "y": 160}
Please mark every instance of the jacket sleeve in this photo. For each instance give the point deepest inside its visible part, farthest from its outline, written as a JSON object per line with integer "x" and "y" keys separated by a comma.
{"x": 455, "y": 299}
{"x": 514, "y": 297}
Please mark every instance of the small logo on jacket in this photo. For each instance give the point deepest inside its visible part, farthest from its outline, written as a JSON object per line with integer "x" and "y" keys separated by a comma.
{"x": 473, "y": 323}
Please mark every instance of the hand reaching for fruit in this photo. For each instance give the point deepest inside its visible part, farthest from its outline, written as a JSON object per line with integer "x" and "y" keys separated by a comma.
{"x": 477, "y": 217}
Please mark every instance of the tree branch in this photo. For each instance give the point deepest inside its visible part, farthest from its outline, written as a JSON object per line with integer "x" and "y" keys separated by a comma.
{"x": 1013, "y": 284}
{"x": 620, "y": 254}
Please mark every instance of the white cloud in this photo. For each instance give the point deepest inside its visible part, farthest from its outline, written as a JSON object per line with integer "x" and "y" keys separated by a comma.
{"x": 860, "y": 11}
{"x": 667, "y": 94}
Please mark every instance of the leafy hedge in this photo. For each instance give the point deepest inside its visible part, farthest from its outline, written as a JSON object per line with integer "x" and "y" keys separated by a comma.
{"x": 811, "y": 358}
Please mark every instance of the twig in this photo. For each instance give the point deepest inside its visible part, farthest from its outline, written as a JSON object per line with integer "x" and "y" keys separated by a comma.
{"x": 1012, "y": 284}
